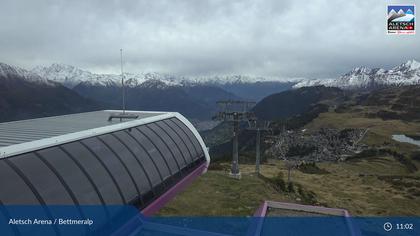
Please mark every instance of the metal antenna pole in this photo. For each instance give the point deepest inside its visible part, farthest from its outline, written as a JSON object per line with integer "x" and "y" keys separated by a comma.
{"x": 122, "y": 83}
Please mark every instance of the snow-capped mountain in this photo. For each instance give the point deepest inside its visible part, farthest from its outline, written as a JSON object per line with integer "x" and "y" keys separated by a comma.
{"x": 26, "y": 95}
{"x": 236, "y": 79}
{"x": 194, "y": 97}
{"x": 9, "y": 72}
{"x": 71, "y": 76}
{"x": 407, "y": 73}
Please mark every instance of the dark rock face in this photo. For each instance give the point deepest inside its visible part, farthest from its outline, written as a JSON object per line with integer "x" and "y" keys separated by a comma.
{"x": 293, "y": 102}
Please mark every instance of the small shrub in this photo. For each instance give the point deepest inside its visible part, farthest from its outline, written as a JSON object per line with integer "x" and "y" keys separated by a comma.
{"x": 406, "y": 162}
{"x": 415, "y": 156}
{"x": 279, "y": 182}
{"x": 416, "y": 193}
{"x": 290, "y": 187}
{"x": 300, "y": 190}
{"x": 311, "y": 168}
{"x": 307, "y": 197}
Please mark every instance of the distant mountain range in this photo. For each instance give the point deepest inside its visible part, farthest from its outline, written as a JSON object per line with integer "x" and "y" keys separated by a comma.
{"x": 25, "y": 95}
{"x": 81, "y": 90}
{"x": 194, "y": 97}
{"x": 407, "y": 73}
{"x": 151, "y": 91}
{"x": 71, "y": 76}
{"x": 246, "y": 87}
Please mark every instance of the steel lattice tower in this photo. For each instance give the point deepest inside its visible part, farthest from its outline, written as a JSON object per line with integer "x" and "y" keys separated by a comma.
{"x": 235, "y": 112}
{"x": 258, "y": 126}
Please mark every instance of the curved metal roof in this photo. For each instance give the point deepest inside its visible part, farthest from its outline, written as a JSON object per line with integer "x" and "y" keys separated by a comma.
{"x": 137, "y": 162}
{"x": 23, "y": 131}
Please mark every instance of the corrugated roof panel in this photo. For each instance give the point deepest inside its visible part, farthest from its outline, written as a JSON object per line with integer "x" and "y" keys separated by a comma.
{"x": 17, "y": 132}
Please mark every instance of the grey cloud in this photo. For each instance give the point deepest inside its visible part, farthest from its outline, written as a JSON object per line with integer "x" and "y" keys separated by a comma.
{"x": 297, "y": 38}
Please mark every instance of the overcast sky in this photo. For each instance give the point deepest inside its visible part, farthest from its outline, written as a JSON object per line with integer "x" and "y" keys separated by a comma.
{"x": 312, "y": 38}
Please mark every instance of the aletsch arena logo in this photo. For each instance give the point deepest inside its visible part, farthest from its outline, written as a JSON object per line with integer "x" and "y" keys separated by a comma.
{"x": 401, "y": 19}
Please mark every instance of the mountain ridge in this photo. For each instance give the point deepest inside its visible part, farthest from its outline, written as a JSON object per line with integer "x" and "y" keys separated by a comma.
{"x": 72, "y": 76}
{"x": 26, "y": 96}
{"x": 407, "y": 73}
{"x": 9, "y": 71}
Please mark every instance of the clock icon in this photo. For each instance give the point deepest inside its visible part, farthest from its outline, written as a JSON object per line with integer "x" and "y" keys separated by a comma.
{"x": 387, "y": 226}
